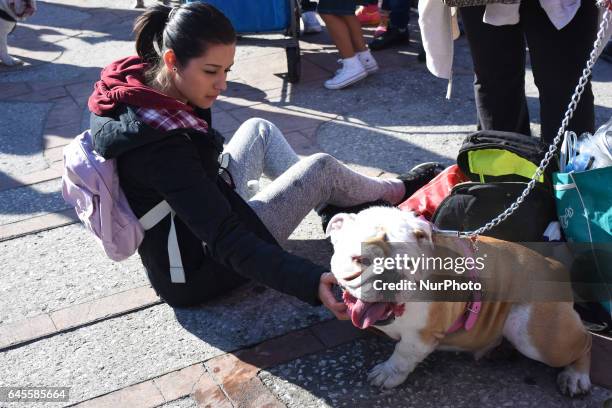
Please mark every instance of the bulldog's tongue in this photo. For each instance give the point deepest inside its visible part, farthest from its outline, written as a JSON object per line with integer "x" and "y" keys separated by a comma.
{"x": 364, "y": 314}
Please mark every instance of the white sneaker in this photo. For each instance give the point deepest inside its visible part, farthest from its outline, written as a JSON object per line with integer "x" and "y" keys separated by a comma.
{"x": 352, "y": 71}
{"x": 311, "y": 23}
{"x": 368, "y": 61}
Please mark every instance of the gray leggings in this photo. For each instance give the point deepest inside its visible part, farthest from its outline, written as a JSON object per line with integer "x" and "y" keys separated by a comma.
{"x": 258, "y": 147}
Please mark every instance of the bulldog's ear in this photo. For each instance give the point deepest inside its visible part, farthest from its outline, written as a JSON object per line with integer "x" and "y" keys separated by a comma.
{"x": 423, "y": 233}
{"x": 421, "y": 229}
{"x": 337, "y": 222}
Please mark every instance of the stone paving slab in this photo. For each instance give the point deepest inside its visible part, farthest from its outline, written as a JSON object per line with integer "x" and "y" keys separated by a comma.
{"x": 189, "y": 386}
{"x": 107, "y": 356}
{"x": 17, "y": 181}
{"x": 62, "y": 135}
{"x": 38, "y": 224}
{"x": 129, "y": 349}
{"x": 176, "y": 387}
{"x": 338, "y": 378}
{"x": 58, "y": 268}
{"x": 10, "y": 90}
{"x": 34, "y": 328}
{"x": 26, "y": 202}
{"x": 20, "y": 143}
{"x": 186, "y": 402}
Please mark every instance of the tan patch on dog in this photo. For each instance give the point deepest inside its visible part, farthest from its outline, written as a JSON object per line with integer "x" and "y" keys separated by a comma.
{"x": 490, "y": 323}
{"x": 381, "y": 241}
{"x": 558, "y": 334}
{"x": 487, "y": 330}
{"x": 441, "y": 316}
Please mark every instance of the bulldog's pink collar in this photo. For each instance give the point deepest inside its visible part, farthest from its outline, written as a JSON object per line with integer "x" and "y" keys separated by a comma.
{"x": 469, "y": 317}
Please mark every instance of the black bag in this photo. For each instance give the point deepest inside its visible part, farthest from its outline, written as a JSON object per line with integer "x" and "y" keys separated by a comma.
{"x": 470, "y": 205}
{"x": 499, "y": 164}
{"x": 492, "y": 156}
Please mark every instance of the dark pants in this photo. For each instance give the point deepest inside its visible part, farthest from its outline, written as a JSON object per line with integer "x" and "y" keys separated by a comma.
{"x": 308, "y": 5}
{"x": 557, "y": 59}
{"x": 399, "y": 12}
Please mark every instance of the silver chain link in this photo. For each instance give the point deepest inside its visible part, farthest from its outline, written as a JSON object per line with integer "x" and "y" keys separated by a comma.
{"x": 584, "y": 79}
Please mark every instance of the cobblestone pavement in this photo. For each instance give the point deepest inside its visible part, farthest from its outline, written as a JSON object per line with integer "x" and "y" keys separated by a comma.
{"x": 71, "y": 317}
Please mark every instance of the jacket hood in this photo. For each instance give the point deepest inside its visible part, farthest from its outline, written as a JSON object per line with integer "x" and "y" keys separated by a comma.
{"x": 123, "y": 82}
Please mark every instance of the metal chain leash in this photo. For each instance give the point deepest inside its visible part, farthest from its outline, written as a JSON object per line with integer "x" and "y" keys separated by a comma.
{"x": 584, "y": 79}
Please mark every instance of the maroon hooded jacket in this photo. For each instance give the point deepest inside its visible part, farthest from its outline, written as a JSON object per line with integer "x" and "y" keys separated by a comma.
{"x": 122, "y": 82}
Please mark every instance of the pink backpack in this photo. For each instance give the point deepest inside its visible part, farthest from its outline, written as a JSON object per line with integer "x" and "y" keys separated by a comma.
{"x": 90, "y": 184}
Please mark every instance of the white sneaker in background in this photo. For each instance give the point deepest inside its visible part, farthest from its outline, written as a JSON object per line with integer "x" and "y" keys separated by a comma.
{"x": 311, "y": 23}
{"x": 352, "y": 71}
{"x": 368, "y": 61}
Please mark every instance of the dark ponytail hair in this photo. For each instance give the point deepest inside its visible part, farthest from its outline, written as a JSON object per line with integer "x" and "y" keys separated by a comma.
{"x": 187, "y": 29}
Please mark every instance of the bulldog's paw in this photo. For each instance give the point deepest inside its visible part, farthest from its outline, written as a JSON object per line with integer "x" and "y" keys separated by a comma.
{"x": 572, "y": 382}
{"x": 387, "y": 375}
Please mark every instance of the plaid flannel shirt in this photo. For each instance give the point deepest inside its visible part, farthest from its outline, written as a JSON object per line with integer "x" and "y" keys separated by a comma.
{"x": 163, "y": 119}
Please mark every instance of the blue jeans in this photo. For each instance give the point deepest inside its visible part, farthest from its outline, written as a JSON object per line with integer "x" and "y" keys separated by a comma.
{"x": 399, "y": 16}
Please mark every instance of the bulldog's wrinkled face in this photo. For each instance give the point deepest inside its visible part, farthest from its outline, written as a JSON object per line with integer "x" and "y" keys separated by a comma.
{"x": 360, "y": 241}
{"x": 21, "y": 9}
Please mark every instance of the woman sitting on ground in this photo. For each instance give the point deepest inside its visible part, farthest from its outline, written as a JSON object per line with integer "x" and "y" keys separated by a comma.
{"x": 152, "y": 113}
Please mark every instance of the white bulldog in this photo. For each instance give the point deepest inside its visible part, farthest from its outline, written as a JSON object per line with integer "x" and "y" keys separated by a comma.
{"x": 11, "y": 12}
{"x": 550, "y": 331}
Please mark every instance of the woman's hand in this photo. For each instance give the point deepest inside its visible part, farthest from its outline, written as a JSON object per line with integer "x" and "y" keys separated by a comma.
{"x": 328, "y": 299}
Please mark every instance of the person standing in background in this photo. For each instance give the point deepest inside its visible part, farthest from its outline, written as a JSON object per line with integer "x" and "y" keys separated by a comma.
{"x": 345, "y": 31}
{"x": 559, "y": 36}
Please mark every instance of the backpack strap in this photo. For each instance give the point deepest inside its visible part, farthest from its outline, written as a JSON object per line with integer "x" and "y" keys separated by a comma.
{"x": 152, "y": 218}
{"x": 155, "y": 215}
{"x": 177, "y": 273}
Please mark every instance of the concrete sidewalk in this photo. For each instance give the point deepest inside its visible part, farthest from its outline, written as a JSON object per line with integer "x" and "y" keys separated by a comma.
{"x": 71, "y": 317}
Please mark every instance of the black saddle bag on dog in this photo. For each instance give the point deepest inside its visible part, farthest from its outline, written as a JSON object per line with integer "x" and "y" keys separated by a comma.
{"x": 471, "y": 205}
{"x": 499, "y": 165}
{"x": 493, "y": 156}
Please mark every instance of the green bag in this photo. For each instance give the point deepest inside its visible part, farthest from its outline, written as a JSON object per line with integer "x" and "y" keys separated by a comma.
{"x": 584, "y": 209}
